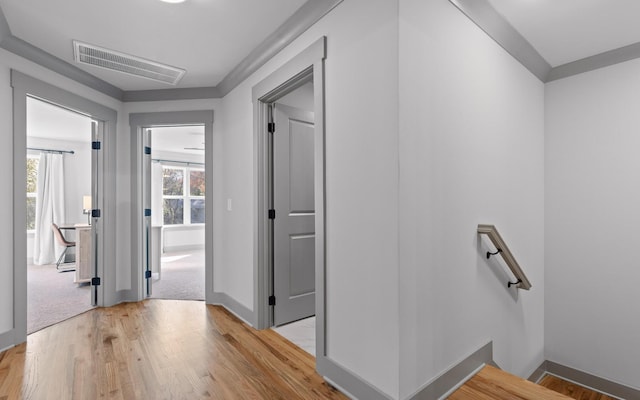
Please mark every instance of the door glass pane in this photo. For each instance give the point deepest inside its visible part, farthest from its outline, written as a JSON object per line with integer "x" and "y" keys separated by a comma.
{"x": 172, "y": 181}
{"x": 173, "y": 210}
{"x": 196, "y": 183}
{"x": 197, "y": 211}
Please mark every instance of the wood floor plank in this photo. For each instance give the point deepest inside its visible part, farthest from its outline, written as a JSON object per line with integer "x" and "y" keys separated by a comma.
{"x": 494, "y": 384}
{"x": 159, "y": 349}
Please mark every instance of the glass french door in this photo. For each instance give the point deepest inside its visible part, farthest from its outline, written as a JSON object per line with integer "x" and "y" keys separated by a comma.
{"x": 146, "y": 204}
{"x": 97, "y": 155}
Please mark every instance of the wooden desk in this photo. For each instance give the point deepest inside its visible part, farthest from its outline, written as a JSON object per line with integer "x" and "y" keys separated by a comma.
{"x": 83, "y": 253}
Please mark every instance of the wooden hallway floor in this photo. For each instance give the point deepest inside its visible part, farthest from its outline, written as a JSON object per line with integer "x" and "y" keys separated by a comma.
{"x": 159, "y": 349}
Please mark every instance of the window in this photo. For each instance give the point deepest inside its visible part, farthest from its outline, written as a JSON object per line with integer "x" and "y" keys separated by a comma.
{"x": 32, "y": 189}
{"x": 183, "y": 191}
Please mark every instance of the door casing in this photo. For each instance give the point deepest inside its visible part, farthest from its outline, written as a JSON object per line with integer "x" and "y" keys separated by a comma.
{"x": 309, "y": 64}
{"x": 24, "y": 86}
{"x": 138, "y": 122}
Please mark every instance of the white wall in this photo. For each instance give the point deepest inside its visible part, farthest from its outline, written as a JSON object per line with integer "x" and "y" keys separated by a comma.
{"x": 471, "y": 151}
{"x": 591, "y": 222}
{"x": 361, "y": 186}
{"x": 8, "y": 61}
{"x": 182, "y": 237}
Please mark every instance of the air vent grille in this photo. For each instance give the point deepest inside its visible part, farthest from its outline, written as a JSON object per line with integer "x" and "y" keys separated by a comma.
{"x": 104, "y": 58}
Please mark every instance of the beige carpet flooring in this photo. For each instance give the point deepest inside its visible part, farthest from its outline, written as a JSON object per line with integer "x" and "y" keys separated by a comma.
{"x": 182, "y": 276}
{"x": 52, "y": 296}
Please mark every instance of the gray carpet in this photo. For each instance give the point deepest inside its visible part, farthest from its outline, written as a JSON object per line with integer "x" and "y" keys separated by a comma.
{"x": 182, "y": 276}
{"x": 53, "y": 297}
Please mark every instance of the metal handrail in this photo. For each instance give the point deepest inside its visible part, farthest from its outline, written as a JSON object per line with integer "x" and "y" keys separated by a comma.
{"x": 521, "y": 279}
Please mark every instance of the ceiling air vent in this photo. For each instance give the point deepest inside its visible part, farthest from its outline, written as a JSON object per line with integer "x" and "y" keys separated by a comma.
{"x": 104, "y": 58}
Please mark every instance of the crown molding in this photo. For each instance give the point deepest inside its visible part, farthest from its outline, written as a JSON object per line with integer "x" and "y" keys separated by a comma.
{"x": 479, "y": 11}
{"x": 294, "y": 26}
{"x": 602, "y": 60}
{"x": 499, "y": 29}
{"x": 41, "y": 57}
{"x": 211, "y": 92}
{"x": 4, "y": 27}
{"x": 482, "y": 13}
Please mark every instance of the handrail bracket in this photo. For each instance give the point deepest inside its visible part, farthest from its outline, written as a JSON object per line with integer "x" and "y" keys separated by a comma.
{"x": 521, "y": 279}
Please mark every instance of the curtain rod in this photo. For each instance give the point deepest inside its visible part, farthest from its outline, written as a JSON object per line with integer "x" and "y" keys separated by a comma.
{"x": 51, "y": 150}
{"x": 177, "y": 162}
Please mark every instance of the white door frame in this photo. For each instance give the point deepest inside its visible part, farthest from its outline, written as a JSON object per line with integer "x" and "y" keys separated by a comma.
{"x": 309, "y": 63}
{"x": 137, "y": 123}
{"x": 26, "y": 86}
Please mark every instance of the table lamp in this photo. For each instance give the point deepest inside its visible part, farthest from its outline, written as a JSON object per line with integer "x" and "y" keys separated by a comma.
{"x": 86, "y": 207}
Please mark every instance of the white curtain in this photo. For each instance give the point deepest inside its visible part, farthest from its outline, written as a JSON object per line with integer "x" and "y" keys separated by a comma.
{"x": 49, "y": 208}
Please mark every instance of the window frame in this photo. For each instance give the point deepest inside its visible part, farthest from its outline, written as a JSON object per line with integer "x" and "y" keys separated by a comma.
{"x": 186, "y": 196}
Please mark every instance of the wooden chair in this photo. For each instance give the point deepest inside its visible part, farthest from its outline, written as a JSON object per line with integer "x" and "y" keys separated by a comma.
{"x": 62, "y": 242}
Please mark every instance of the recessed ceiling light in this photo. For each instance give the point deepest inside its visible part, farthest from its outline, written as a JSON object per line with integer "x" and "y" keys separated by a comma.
{"x": 173, "y": 1}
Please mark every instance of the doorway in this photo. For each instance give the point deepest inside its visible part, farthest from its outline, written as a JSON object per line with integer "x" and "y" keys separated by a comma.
{"x": 59, "y": 191}
{"x": 102, "y": 193}
{"x": 152, "y": 232}
{"x": 178, "y": 198}
{"x": 293, "y": 219}
{"x": 303, "y": 73}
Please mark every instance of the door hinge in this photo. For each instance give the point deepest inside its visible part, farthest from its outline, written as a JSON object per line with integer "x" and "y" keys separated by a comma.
{"x": 147, "y": 212}
{"x": 272, "y": 214}
{"x": 95, "y": 281}
{"x": 147, "y": 274}
{"x": 147, "y": 150}
{"x": 95, "y": 145}
{"x": 272, "y": 300}
{"x": 95, "y": 213}
{"x": 271, "y": 127}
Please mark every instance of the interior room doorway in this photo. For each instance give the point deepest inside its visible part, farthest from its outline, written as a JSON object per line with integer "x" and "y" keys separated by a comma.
{"x": 59, "y": 193}
{"x": 178, "y": 223}
{"x": 299, "y": 78}
{"x": 169, "y": 160}
{"x": 293, "y": 242}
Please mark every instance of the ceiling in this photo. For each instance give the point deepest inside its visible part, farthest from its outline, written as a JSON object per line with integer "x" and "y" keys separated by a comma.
{"x": 208, "y": 38}
{"x": 563, "y": 31}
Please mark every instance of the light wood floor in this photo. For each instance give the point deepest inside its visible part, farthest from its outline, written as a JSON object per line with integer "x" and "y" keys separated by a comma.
{"x": 494, "y": 384}
{"x": 159, "y": 349}
{"x": 571, "y": 389}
